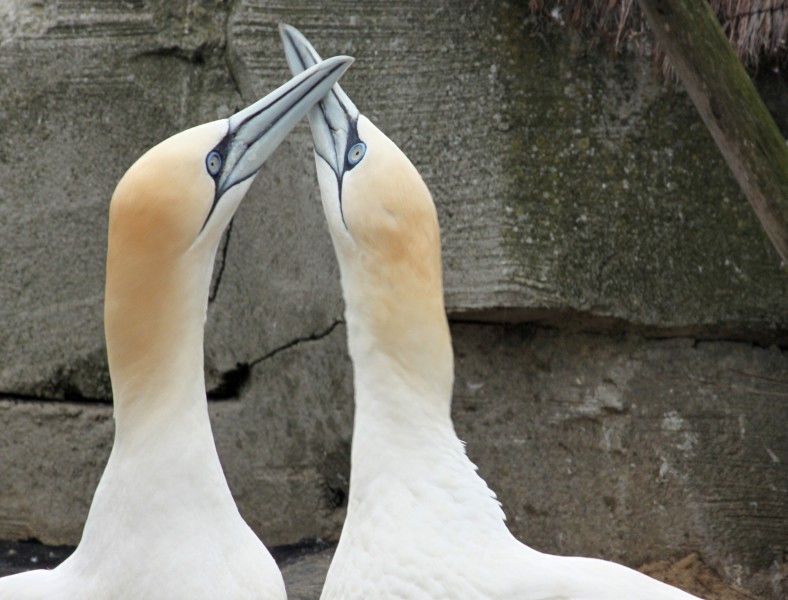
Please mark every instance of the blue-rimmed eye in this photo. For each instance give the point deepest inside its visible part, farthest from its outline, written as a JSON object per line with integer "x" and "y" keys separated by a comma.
{"x": 356, "y": 153}
{"x": 213, "y": 162}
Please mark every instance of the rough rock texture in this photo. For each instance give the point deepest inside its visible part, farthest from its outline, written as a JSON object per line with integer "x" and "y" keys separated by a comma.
{"x": 574, "y": 190}
{"x": 569, "y": 184}
{"x": 632, "y": 449}
{"x": 580, "y": 183}
{"x": 86, "y": 88}
{"x": 595, "y": 444}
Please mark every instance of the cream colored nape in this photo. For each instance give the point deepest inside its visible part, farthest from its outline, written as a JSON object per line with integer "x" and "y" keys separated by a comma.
{"x": 387, "y": 240}
{"x": 388, "y": 209}
{"x": 163, "y": 523}
{"x": 159, "y": 259}
{"x": 162, "y": 201}
{"x": 421, "y": 524}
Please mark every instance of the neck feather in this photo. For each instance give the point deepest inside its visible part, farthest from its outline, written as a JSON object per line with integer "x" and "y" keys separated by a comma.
{"x": 404, "y": 446}
{"x": 405, "y": 450}
{"x": 400, "y": 345}
{"x": 154, "y": 318}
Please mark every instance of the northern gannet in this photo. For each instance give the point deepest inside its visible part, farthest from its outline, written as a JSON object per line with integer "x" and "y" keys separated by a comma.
{"x": 163, "y": 523}
{"x": 421, "y": 523}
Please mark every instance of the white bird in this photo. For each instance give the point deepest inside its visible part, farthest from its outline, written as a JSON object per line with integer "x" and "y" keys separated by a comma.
{"x": 163, "y": 523}
{"x": 421, "y": 523}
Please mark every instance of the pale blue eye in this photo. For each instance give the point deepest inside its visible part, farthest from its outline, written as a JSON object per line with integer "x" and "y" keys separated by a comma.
{"x": 213, "y": 162}
{"x": 356, "y": 153}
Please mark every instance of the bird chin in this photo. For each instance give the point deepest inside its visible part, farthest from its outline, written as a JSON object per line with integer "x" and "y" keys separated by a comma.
{"x": 222, "y": 215}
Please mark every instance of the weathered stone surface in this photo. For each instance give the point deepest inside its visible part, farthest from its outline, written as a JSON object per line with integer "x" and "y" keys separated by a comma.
{"x": 573, "y": 188}
{"x": 569, "y": 184}
{"x": 305, "y": 572}
{"x": 51, "y": 458}
{"x": 578, "y": 182}
{"x": 596, "y": 445}
{"x": 284, "y": 446}
{"x": 85, "y": 90}
{"x": 630, "y": 449}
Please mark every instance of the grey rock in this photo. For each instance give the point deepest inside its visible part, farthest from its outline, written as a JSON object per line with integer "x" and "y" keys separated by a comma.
{"x": 289, "y": 438}
{"x": 629, "y": 448}
{"x": 85, "y": 92}
{"x": 574, "y": 190}
{"x": 51, "y": 458}
{"x": 305, "y": 572}
{"x": 625, "y": 448}
{"x": 584, "y": 188}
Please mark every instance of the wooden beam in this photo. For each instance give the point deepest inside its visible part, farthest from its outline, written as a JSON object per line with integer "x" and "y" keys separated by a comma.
{"x": 734, "y": 113}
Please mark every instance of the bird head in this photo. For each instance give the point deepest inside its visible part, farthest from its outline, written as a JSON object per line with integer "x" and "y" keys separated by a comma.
{"x": 181, "y": 194}
{"x": 380, "y": 213}
{"x": 168, "y": 213}
{"x": 383, "y": 223}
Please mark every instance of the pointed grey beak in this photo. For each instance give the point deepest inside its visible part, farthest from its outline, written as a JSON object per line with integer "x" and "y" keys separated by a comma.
{"x": 255, "y": 132}
{"x": 333, "y": 120}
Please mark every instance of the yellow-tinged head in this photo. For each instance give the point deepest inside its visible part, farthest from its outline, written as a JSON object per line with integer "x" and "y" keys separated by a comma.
{"x": 385, "y": 231}
{"x": 157, "y": 272}
{"x": 167, "y": 216}
{"x": 385, "y": 226}
{"x": 162, "y": 202}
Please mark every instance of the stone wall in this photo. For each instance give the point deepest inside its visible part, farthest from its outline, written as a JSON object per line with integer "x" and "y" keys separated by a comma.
{"x": 620, "y": 320}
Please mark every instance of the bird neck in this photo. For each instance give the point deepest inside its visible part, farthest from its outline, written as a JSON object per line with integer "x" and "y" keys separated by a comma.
{"x": 399, "y": 341}
{"x": 154, "y": 318}
{"x": 405, "y": 451}
{"x": 164, "y": 471}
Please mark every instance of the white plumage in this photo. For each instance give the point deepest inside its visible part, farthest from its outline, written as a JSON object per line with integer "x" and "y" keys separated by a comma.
{"x": 163, "y": 523}
{"x": 421, "y": 523}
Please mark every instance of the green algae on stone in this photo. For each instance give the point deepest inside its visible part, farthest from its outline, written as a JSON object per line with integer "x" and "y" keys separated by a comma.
{"x": 619, "y": 203}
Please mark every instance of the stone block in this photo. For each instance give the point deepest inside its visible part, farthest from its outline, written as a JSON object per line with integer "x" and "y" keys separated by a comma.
{"x": 625, "y": 448}
{"x": 575, "y": 190}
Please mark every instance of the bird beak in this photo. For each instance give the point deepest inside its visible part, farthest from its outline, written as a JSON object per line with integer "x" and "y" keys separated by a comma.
{"x": 256, "y": 131}
{"x": 334, "y": 119}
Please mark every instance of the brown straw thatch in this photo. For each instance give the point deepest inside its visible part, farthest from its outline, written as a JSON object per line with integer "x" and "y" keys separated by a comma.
{"x": 757, "y": 29}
